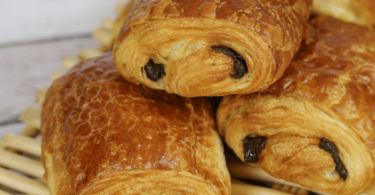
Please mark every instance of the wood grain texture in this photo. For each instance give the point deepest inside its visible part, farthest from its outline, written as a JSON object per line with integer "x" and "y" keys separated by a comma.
{"x": 27, "y": 68}
{"x": 25, "y": 21}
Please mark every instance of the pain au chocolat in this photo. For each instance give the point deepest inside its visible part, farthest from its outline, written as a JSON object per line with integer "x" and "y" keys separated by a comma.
{"x": 104, "y": 135}
{"x": 356, "y": 11}
{"x": 315, "y": 126}
{"x": 212, "y": 47}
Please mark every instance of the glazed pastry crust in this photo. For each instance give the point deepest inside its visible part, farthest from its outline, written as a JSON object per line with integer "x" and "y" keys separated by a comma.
{"x": 328, "y": 91}
{"x": 179, "y": 34}
{"x": 356, "y": 11}
{"x": 104, "y": 135}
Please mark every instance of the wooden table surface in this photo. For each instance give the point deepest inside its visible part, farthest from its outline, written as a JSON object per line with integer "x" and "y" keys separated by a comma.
{"x": 29, "y": 54}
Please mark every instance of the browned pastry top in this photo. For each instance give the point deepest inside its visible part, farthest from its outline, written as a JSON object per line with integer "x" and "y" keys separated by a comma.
{"x": 102, "y": 134}
{"x": 336, "y": 67}
{"x": 326, "y": 95}
{"x": 262, "y": 15}
{"x": 338, "y": 70}
{"x": 348, "y": 86}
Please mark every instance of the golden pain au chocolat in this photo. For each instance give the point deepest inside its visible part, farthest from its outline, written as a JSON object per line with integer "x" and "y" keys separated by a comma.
{"x": 210, "y": 47}
{"x": 315, "y": 126}
{"x": 104, "y": 135}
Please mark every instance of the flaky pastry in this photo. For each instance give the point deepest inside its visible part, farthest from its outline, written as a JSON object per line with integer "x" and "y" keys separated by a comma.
{"x": 210, "y": 48}
{"x": 356, "y": 11}
{"x": 104, "y": 135}
{"x": 315, "y": 126}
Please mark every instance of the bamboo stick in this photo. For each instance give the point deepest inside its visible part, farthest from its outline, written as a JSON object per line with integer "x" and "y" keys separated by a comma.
{"x": 69, "y": 61}
{"x": 22, "y": 143}
{"x": 119, "y": 7}
{"x": 108, "y": 24}
{"x": 244, "y": 171}
{"x": 89, "y": 53}
{"x": 41, "y": 180}
{"x": 277, "y": 186}
{"x": 103, "y": 36}
{"x": 3, "y": 193}
{"x": 285, "y": 188}
{"x": 21, "y": 164}
{"x": 242, "y": 188}
{"x": 290, "y": 189}
{"x": 22, "y": 183}
{"x": 32, "y": 116}
{"x": 6, "y": 189}
{"x": 30, "y": 131}
{"x": 302, "y": 192}
{"x": 57, "y": 74}
{"x": 40, "y": 95}
{"x": 294, "y": 190}
{"x": 104, "y": 48}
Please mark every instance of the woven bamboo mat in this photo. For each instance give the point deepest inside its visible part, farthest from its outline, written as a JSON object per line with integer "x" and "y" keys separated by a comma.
{"x": 21, "y": 170}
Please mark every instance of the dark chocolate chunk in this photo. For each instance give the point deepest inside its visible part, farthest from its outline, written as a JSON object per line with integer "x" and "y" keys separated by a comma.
{"x": 154, "y": 71}
{"x": 330, "y": 147}
{"x": 240, "y": 66}
{"x": 253, "y": 146}
{"x": 227, "y": 51}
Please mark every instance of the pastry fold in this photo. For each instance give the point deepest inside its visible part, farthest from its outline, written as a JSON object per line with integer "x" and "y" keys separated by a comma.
{"x": 315, "y": 126}
{"x": 104, "y": 135}
{"x": 355, "y": 11}
{"x": 210, "y": 47}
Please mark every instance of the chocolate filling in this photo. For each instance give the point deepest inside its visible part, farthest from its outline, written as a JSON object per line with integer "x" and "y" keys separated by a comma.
{"x": 240, "y": 66}
{"x": 252, "y": 147}
{"x": 154, "y": 71}
{"x": 330, "y": 147}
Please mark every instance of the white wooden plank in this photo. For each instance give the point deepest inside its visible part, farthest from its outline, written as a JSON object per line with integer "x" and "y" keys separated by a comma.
{"x": 25, "y": 20}
{"x": 27, "y": 68}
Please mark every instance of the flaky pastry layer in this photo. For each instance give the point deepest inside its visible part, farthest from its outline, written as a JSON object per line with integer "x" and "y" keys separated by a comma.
{"x": 180, "y": 35}
{"x": 104, "y": 135}
{"x": 318, "y": 120}
{"x": 356, "y": 11}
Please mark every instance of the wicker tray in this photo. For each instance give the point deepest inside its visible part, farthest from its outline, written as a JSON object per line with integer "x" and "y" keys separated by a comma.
{"x": 21, "y": 170}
